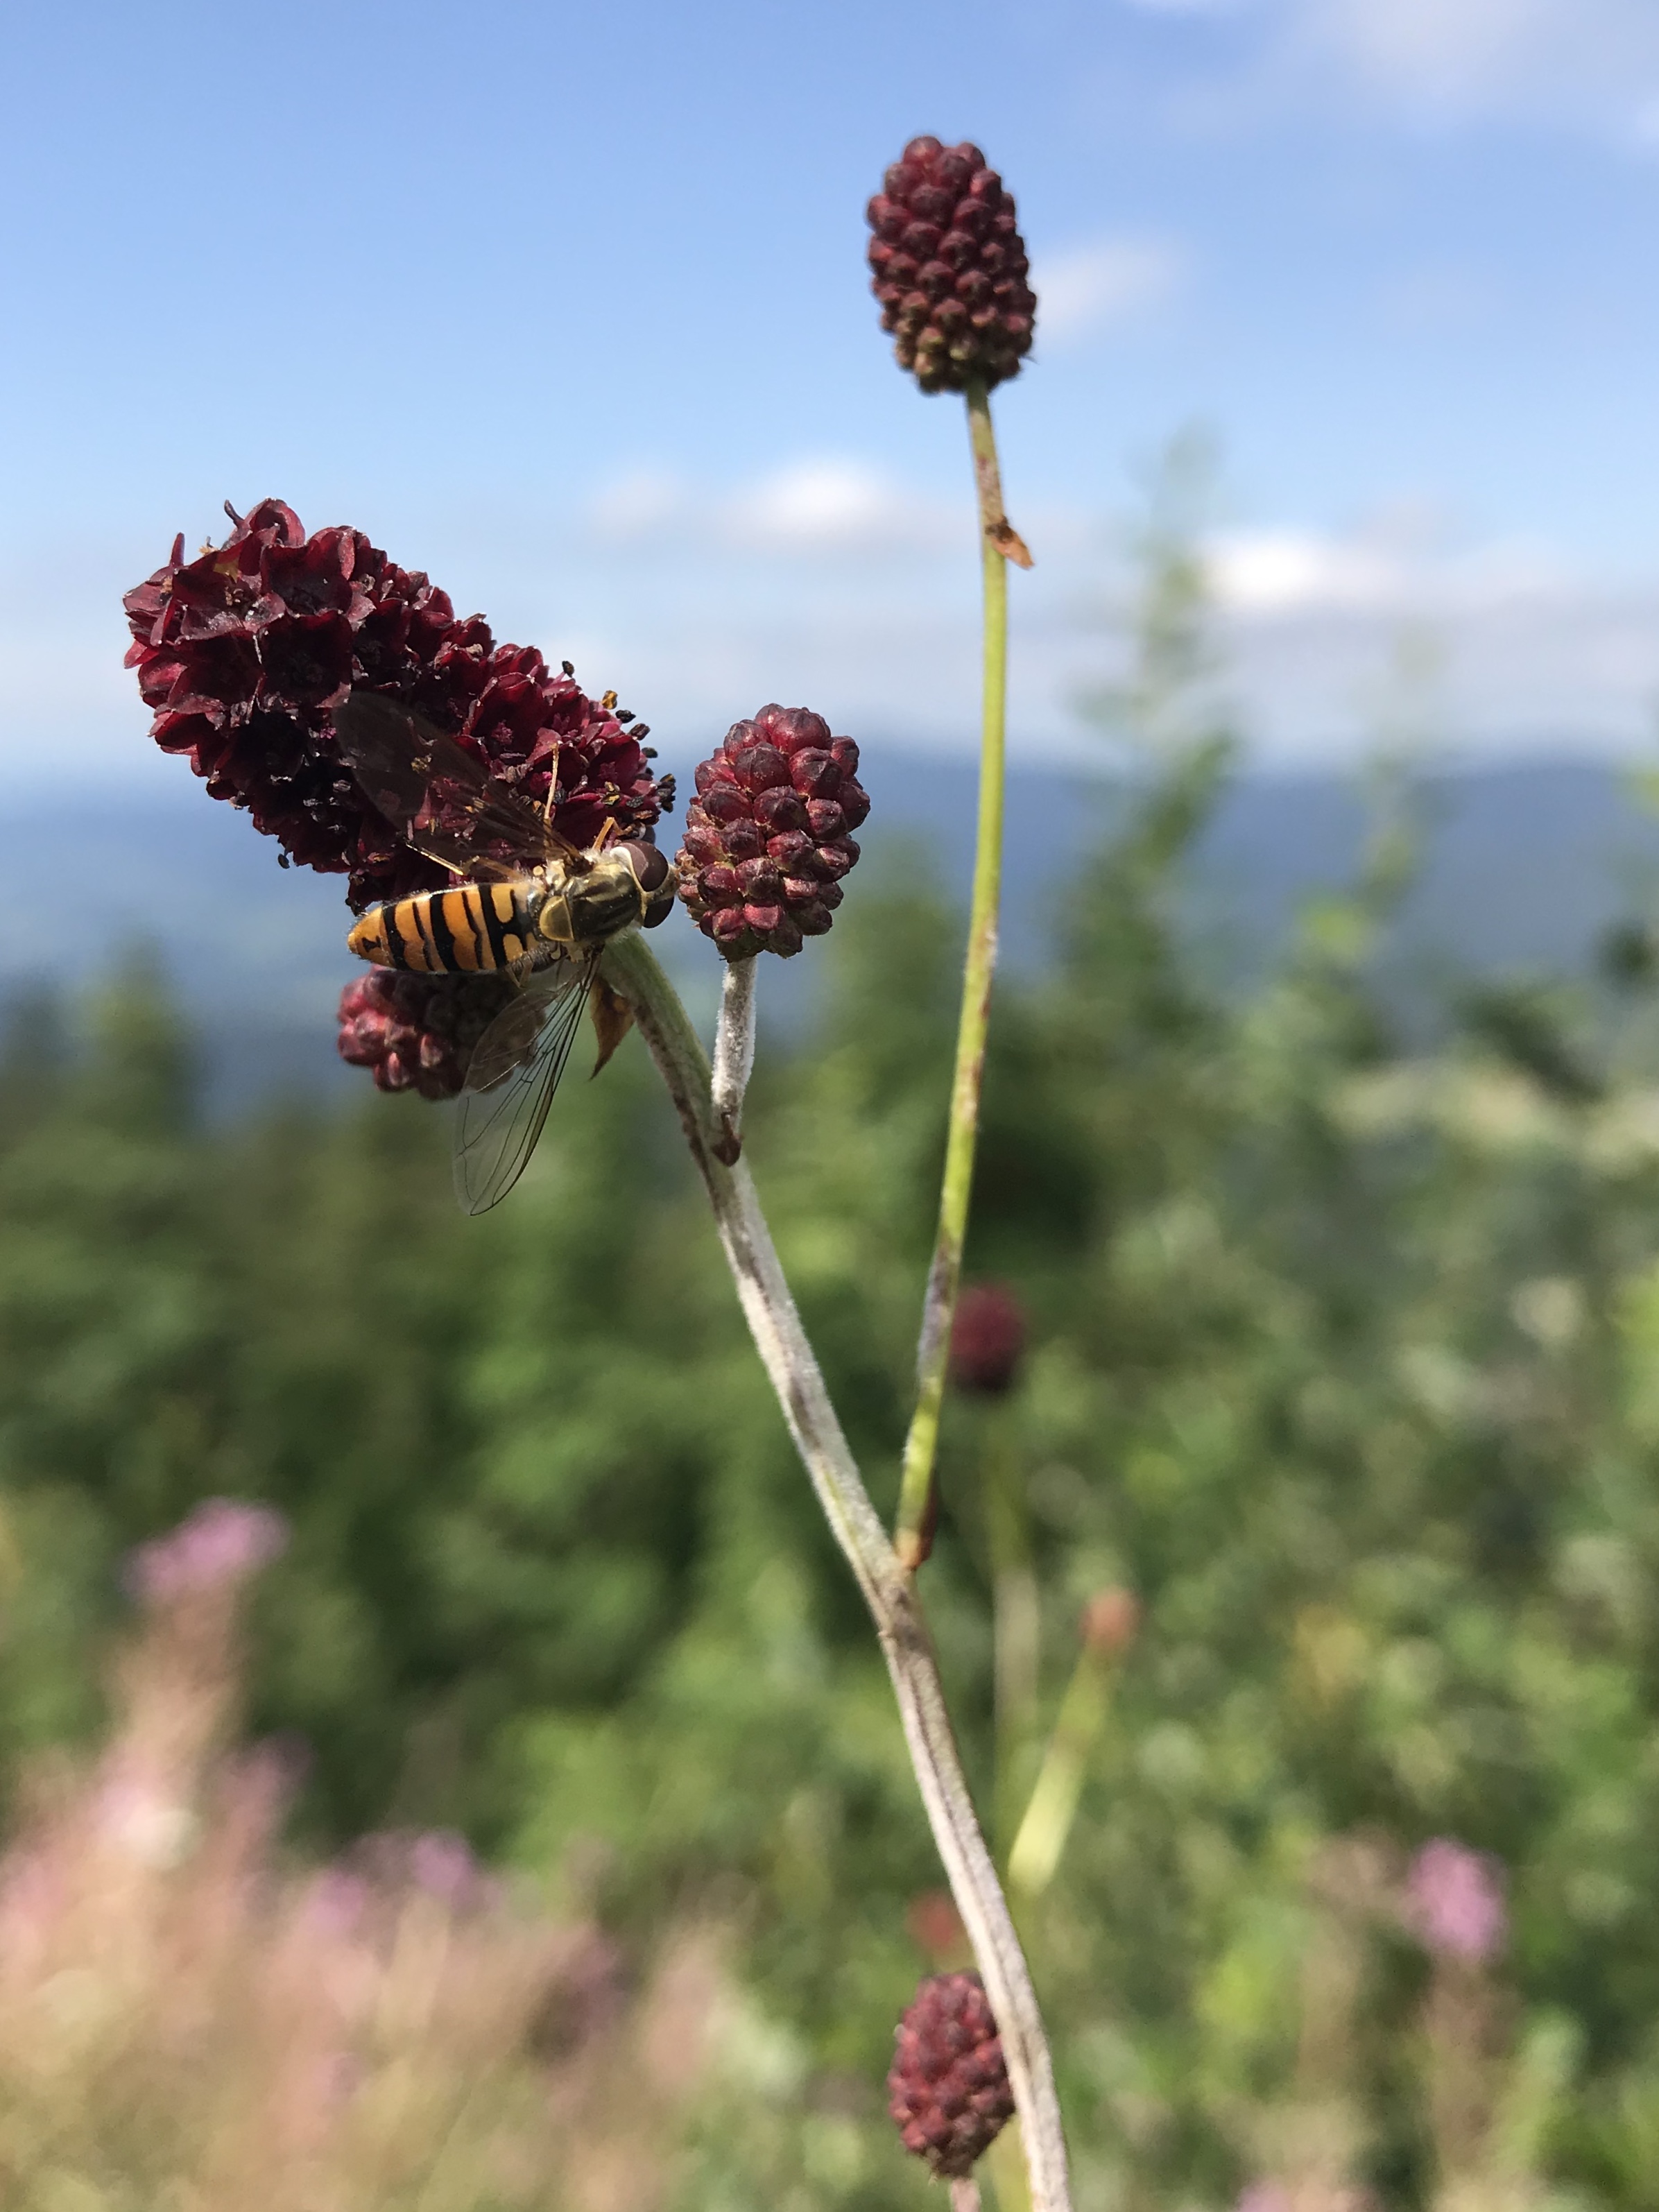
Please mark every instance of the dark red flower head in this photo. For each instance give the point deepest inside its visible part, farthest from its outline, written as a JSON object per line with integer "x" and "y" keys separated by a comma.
{"x": 766, "y": 838}
{"x": 418, "y": 1032}
{"x": 242, "y": 653}
{"x": 948, "y": 2089}
{"x": 987, "y": 1337}
{"x": 948, "y": 265}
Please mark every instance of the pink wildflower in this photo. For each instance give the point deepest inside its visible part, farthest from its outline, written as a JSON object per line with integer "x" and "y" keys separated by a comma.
{"x": 1456, "y": 1900}
{"x": 1263, "y": 2197}
{"x": 442, "y": 1863}
{"x": 222, "y": 1541}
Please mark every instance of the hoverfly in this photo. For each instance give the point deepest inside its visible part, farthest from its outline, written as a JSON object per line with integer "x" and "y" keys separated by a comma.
{"x": 528, "y": 903}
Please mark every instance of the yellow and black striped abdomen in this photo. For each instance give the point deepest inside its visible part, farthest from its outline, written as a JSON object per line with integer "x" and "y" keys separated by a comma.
{"x": 474, "y": 927}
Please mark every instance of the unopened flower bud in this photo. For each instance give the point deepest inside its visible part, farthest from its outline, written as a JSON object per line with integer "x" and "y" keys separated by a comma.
{"x": 933, "y": 1923}
{"x": 1110, "y": 1622}
{"x": 767, "y": 836}
{"x": 948, "y": 2090}
{"x": 949, "y": 267}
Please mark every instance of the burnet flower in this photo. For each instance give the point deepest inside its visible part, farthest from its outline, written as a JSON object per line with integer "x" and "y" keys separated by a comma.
{"x": 418, "y": 1032}
{"x": 768, "y": 836}
{"x": 987, "y": 1340}
{"x": 949, "y": 267}
{"x": 243, "y": 653}
{"x": 948, "y": 2090}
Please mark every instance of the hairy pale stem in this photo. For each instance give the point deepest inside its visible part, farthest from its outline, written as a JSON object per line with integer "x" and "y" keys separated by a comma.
{"x": 900, "y": 1628}
{"x": 999, "y": 544}
{"x": 734, "y": 1056}
{"x": 964, "y": 2194}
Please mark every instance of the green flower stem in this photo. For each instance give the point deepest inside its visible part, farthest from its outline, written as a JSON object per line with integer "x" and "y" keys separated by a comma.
{"x": 1048, "y": 1817}
{"x": 901, "y": 1626}
{"x": 1016, "y": 1619}
{"x": 999, "y": 544}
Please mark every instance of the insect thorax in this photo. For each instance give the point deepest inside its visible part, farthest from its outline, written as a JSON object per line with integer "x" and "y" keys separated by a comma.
{"x": 587, "y": 908}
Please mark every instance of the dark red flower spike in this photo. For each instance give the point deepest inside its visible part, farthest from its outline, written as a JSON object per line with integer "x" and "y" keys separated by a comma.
{"x": 949, "y": 267}
{"x": 948, "y": 2091}
{"x": 243, "y": 653}
{"x": 988, "y": 1338}
{"x": 767, "y": 837}
{"x": 418, "y": 1032}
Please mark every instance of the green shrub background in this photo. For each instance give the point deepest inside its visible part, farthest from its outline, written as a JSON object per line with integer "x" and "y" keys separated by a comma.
{"x": 1345, "y": 1355}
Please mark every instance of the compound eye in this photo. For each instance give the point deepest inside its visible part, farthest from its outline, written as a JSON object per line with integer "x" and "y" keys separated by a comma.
{"x": 650, "y": 865}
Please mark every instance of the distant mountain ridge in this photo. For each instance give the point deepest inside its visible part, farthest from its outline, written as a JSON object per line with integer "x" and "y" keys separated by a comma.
{"x": 1524, "y": 866}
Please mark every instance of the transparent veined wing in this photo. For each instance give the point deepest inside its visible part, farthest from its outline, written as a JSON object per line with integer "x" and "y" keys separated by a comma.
{"x": 514, "y": 1071}
{"x": 441, "y": 800}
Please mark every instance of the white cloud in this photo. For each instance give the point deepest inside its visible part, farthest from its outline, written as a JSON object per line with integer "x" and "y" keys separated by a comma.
{"x": 1525, "y": 654}
{"x": 1593, "y": 62}
{"x": 1399, "y": 566}
{"x": 1269, "y": 572}
{"x": 1594, "y": 57}
{"x": 1576, "y": 671}
{"x": 640, "y": 503}
{"x": 1103, "y": 282}
{"x": 817, "y": 504}
{"x": 1437, "y": 50}
{"x": 828, "y": 582}
{"x": 1315, "y": 625}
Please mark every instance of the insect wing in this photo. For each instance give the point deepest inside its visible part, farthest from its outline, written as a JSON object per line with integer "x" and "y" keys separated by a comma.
{"x": 510, "y": 1081}
{"x": 442, "y": 801}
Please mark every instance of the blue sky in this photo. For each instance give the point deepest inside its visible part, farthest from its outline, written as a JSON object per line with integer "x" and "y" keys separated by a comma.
{"x": 568, "y": 306}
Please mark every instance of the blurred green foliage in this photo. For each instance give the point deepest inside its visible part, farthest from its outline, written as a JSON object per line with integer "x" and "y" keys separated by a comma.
{"x": 1345, "y": 1356}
